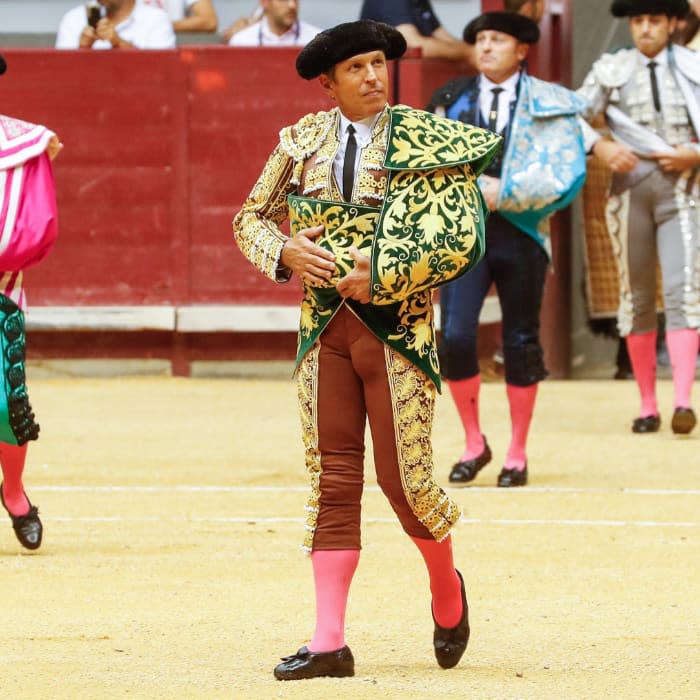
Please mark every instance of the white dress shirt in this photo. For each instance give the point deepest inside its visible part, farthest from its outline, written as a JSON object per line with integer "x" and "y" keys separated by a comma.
{"x": 176, "y": 9}
{"x": 509, "y": 87}
{"x": 363, "y": 136}
{"x": 260, "y": 34}
{"x": 145, "y": 28}
{"x": 661, "y": 60}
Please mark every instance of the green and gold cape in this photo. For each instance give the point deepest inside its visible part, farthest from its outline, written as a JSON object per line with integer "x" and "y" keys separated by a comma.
{"x": 416, "y": 210}
{"x": 429, "y": 230}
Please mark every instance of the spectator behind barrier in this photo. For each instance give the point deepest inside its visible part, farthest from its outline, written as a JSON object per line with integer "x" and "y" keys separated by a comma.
{"x": 534, "y": 9}
{"x": 188, "y": 15}
{"x": 278, "y": 25}
{"x": 421, "y": 28}
{"x": 241, "y": 23}
{"x": 115, "y": 24}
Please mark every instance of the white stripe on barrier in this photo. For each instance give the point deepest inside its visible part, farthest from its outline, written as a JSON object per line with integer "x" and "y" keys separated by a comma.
{"x": 114, "y": 318}
{"x": 204, "y": 318}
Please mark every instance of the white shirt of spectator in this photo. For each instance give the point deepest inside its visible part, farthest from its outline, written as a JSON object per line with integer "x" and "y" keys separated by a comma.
{"x": 176, "y": 9}
{"x": 508, "y": 95}
{"x": 145, "y": 28}
{"x": 260, "y": 34}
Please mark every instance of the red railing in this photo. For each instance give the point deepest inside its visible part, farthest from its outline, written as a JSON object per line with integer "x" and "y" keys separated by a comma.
{"x": 161, "y": 148}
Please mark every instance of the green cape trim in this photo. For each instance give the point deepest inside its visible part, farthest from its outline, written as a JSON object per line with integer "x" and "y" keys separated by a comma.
{"x": 421, "y": 140}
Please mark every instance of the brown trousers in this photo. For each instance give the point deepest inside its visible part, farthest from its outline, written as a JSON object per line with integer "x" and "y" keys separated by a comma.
{"x": 342, "y": 382}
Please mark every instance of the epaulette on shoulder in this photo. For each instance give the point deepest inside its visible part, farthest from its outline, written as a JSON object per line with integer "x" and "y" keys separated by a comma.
{"x": 305, "y": 137}
{"x": 614, "y": 69}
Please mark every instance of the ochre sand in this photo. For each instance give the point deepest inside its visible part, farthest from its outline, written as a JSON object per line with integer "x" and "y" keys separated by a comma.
{"x": 171, "y": 565}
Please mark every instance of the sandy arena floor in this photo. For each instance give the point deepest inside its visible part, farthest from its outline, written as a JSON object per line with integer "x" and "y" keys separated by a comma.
{"x": 171, "y": 568}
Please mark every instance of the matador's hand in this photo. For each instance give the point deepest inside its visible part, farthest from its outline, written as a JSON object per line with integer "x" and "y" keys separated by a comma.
{"x": 355, "y": 285}
{"x": 619, "y": 158}
{"x": 679, "y": 160}
{"x": 490, "y": 188}
{"x": 306, "y": 259}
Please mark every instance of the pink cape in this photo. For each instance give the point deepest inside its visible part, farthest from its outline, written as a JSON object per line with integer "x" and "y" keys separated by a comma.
{"x": 28, "y": 213}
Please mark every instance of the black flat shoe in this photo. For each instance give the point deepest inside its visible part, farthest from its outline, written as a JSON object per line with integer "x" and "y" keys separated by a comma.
{"x": 683, "y": 421}
{"x": 450, "y": 643}
{"x": 309, "y": 664}
{"x": 512, "y": 477}
{"x": 646, "y": 424}
{"x": 466, "y": 471}
{"x": 27, "y": 527}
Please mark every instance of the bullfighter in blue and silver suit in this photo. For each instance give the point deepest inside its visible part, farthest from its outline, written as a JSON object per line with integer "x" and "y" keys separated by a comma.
{"x": 541, "y": 169}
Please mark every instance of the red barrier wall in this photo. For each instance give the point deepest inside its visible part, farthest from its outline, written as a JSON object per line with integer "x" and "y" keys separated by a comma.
{"x": 161, "y": 148}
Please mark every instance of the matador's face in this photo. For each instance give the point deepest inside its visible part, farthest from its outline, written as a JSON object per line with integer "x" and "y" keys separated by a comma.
{"x": 359, "y": 85}
{"x": 651, "y": 33}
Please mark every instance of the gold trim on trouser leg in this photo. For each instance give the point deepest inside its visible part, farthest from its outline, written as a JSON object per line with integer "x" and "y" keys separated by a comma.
{"x": 413, "y": 402}
{"x": 687, "y": 201}
{"x": 617, "y": 220}
{"x": 307, "y": 392}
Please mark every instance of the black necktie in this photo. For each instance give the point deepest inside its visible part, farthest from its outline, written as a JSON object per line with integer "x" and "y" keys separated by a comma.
{"x": 349, "y": 164}
{"x": 654, "y": 85}
{"x": 493, "y": 112}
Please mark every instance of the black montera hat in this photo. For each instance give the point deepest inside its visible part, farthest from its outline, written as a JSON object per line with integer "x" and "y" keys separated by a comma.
{"x": 336, "y": 44}
{"x": 630, "y": 8}
{"x": 522, "y": 28}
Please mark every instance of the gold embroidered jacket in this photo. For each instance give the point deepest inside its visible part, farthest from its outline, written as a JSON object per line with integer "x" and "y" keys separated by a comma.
{"x": 416, "y": 211}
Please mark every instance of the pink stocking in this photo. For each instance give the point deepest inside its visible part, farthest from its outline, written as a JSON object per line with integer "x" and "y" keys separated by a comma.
{"x": 683, "y": 351}
{"x": 445, "y": 586}
{"x": 333, "y": 572}
{"x": 521, "y": 400}
{"x": 641, "y": 348}
{"x": 465, "y": 393}
{"x": 12, "y": 458}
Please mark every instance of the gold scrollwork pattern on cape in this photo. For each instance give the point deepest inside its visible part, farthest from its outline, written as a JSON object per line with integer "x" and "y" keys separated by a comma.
{"x": 446, "y": 219}
{"x": 307, "y": 392}
{"x": 413, "y": 399}
{"x": 423, "y": 141}
{"x": 345, "y": 226}
{"x": 432, "y": 231}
